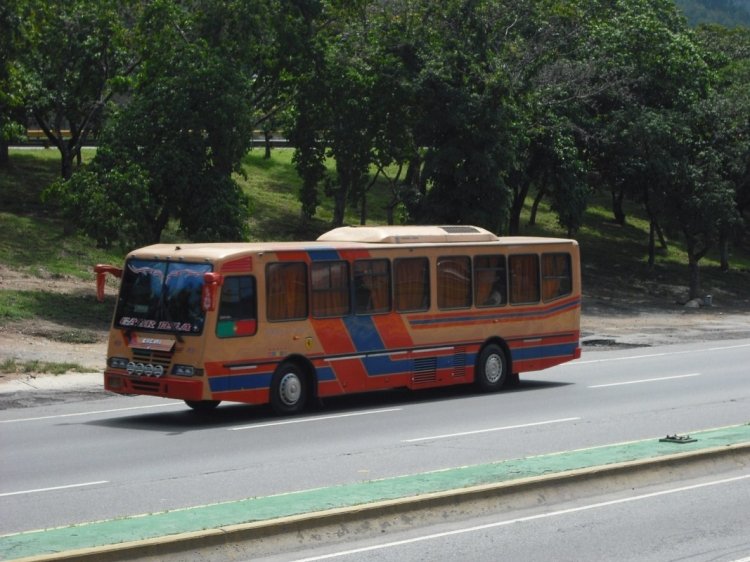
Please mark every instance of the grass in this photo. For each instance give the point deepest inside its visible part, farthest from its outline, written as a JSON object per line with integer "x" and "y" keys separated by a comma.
{"x": 79, "y": 314}
{"x": 12, "y": 366}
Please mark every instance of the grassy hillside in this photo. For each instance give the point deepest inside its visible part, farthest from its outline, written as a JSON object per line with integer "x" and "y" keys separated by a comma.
{"x": 35, "y": 243}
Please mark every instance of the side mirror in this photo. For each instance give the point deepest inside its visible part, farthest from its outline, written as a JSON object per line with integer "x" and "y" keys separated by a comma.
{"x": 101, "y": 271}
{"x": 211, "y": 283}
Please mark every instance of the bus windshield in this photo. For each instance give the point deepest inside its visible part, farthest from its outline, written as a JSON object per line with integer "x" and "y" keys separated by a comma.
{"x": 161, "y": 296}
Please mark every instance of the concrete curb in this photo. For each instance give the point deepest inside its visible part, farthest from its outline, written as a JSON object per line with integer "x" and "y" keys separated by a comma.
{"x": 333, "y": 525}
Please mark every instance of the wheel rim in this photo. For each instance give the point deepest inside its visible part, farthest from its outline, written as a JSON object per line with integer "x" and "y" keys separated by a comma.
{"x": 493, "y": 368}
{"x": 290, "y": 389}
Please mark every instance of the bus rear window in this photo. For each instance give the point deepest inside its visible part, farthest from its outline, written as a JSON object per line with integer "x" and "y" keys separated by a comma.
{"x": 556, "y": 277}
{"x": 524, "y": 279}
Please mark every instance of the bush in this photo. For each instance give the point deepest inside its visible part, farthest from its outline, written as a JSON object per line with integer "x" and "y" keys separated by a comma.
{"x": 112, "y": 206}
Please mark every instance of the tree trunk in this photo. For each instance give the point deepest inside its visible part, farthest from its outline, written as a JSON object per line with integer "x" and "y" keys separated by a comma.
{"x": 519, "y": 197}
{"x": 695, "y": 276}
{"x": 660, "y": 234}
{"x": 66, "y": 162}
{"x": 535, "y": 206}
{"x": 267, "y": 143}
{"x": 724, "y": 249}
{"x": 651, "y": 243}
{"x": 339, "y": 208}
{"x": 159, "y": 225}
{"x": 4, "y": 155}
{"x": 617, "y": 210}
{"x": 363, "y": 209}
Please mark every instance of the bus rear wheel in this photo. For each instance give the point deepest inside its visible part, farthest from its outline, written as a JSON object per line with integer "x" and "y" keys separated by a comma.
{"x": 288, "y": 389}
{"x": 492, "y": 368}
{"x": 203, "y": 405}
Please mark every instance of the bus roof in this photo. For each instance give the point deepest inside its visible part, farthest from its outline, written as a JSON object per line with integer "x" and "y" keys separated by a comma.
{"x": 341, "y": 238}
{"x": 408, "y": 234}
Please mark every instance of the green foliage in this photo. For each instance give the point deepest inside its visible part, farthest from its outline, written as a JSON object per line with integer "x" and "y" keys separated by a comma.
{"x": 111, "y": 205}
{"x": 11, "y": 104}
{"x": 74, "y": 60}
{"x": 453, "y": 112}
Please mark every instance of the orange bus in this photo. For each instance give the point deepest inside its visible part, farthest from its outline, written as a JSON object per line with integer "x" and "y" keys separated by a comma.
{"x": 359, "y": 309}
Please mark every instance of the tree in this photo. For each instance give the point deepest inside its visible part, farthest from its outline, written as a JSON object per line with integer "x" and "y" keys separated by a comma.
{"x": 728, "y": 52}
{"x": 10, "y": 100}
{"x": 209, "y": 74}
{"x": 75, "y": 59}
{"x": 353, "y": 102}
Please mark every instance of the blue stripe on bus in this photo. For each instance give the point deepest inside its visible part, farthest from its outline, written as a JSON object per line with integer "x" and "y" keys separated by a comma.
{"x": 363, "y": 333}
{"x": 245, "y": 382}
{"x": 543, "y": 351}
{"x": 384, "y": 365}
{"x": 322, "y": 254}
{"x": 325, "y": 374}
{"x": 239, "y": 382}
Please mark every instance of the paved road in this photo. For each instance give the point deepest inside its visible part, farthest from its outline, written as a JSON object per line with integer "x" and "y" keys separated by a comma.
{"x": 700, "y": 519}
{"x": 121, "y": 456}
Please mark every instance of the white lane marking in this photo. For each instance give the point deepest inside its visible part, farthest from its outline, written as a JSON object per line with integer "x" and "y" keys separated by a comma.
{"x": 314, "y": 419}
{"x": 657, "y": 379}
{"x": 649, "y": 355}
{"x": 94, "y": 412}
{"x": 53, "y": 488}
{"x": 523, "y": 519}
{"x": 488, "y": 430}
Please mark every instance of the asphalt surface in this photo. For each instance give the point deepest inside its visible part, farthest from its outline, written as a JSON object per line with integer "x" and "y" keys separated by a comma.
{"x": 230, "y": 524}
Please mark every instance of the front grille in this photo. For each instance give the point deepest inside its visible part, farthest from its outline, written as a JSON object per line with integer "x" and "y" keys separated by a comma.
{"x": 145, "y": 356}
{"x": 145, "y": 385}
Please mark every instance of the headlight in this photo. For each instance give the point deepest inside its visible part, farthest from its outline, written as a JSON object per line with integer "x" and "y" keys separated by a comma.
{"x": 183, "y": 370}
{"x": 144, "y": 369}
{"x": 118, "y": 362}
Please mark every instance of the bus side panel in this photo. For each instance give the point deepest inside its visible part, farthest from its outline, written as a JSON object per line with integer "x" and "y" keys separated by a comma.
{"x": 548, "y": 350}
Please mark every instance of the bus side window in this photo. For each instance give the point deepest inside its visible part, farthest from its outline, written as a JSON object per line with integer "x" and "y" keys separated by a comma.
{"x": 524, "y": 279}
{"x": 237, "y": 307}
{"x": 286, "y": 288}
{"x": 411, "y": 283}
{"x": 330, "y": 288}
{"x": 454, "y": 282}
{"x": 556, "y": 277}
{"x": 372, "y": 286}
{"x": 490, "y": 281}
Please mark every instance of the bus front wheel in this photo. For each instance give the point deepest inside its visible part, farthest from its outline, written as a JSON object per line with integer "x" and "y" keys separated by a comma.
{"x": 492, "y": 368}
{"x": 288, "y": 389}
{"x": 203, "y": 405}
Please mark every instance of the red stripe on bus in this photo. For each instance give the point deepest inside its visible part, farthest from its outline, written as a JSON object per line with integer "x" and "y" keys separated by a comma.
{"x": 393, "y": 331}
{"x": 240, "y": 265}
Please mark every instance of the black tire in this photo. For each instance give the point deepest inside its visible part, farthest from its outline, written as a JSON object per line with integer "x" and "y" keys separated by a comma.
{"x": 203, "y": 405}
{"x": 491, "y": 369}
{"x": 288, "y": 389}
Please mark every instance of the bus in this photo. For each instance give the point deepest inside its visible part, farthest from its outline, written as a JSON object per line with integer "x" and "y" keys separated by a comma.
{"x": 360, "y": 309}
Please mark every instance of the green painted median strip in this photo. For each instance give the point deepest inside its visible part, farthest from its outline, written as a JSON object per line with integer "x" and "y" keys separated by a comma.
{"x": 115, "y": 531}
